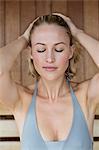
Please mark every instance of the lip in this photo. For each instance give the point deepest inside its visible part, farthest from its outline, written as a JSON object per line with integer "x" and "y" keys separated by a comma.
{"x": 50, "y": 68}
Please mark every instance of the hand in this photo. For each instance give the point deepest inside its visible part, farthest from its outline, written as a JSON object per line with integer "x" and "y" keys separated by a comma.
{"x": 26, "y": 34}
{"x": 73, "y": 28}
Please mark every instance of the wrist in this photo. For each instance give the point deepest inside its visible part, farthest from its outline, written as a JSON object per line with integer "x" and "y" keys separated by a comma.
{"x": 78, "y": 33}
{"x": 24, "y": 37}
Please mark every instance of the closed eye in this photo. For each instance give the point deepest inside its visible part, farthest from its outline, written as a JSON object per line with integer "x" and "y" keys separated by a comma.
{"x": 59, "y": 50}
{"x": 41, "y": 51}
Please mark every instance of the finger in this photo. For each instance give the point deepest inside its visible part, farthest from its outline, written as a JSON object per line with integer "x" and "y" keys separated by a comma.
{"x": 63, "y": 16}
{"x": 31, "y": 24}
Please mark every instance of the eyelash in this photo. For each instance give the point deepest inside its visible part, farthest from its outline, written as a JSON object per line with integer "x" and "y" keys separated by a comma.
{"x": 41, "y": 51}
{"x": 59, "y": 50}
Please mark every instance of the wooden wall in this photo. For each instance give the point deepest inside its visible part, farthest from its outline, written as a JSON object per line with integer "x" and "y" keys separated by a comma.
{"x": 15, "y": 16}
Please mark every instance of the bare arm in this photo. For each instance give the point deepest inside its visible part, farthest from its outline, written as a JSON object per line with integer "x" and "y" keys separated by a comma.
{"x": 9, "y": 53}
{"x": 9, "y": 94}
{"x": 90, "y": 44}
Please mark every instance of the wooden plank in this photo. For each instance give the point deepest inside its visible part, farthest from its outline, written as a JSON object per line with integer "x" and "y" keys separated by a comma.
{"x": 75, "y": 8}
{"x": 4, "y": 111}
{"x": 6, "y": 117}
{"x": 59, "y": 6}
{"x": 96, "y": 146}
{"x": 91, "y": 26}
{"x": 12, "y": 31}
{"x": 96, "y": 117}
{"x": 8, "y": 128}
{"x": 96, "y": 128}
{"x": 42, "y": 7}
{"x": 97, "y": 111}
{"x": 9, "y": 139}
{"x": 10, "y": 146}
{"x": 2, "y": 23}
{"x": 96, "y": 139}
{"x": 27, "y": 15}
{"x": 91, "y": 22}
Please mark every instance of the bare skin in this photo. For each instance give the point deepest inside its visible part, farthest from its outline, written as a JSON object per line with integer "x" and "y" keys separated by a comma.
{"x": 54, "y": 109}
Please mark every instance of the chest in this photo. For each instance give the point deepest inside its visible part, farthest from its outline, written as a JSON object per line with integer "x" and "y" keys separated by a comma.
{"x": 55, "y": 120}
{"x": 50, "y": 125}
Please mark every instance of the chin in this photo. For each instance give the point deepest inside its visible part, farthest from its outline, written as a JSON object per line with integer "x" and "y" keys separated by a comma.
{"x": 52, "y": 78}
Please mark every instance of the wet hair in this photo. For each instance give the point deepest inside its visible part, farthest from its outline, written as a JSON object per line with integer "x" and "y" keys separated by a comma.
{"x": 54, "y": 19}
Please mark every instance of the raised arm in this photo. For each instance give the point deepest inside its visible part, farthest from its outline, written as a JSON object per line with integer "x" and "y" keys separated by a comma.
{"x": 9, "y": 94}
{"x": 90, "y": 44}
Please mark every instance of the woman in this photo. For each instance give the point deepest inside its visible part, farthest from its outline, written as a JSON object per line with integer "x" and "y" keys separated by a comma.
{"x": 55, "y": 114}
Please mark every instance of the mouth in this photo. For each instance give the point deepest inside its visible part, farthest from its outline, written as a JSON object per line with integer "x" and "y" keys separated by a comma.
{"x": 49, "y": 68}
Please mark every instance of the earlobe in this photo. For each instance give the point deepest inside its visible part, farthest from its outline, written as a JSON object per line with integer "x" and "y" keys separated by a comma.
{"x": 31, "y": 57}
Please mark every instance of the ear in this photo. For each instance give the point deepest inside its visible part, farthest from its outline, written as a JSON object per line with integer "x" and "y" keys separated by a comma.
{"x": 72, "y": 49}
{"x": 30, "y": 52}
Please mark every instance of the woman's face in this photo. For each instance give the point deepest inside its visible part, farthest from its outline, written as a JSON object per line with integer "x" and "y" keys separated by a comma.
{"x": 51, "y": 51}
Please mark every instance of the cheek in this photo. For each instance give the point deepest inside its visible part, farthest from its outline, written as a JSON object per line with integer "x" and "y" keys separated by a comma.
{"x": 37, "y": 59}
{"x": 63, "y": 60}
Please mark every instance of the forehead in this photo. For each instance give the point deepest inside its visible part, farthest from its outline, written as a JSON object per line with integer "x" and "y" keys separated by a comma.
{"x": 49, "y": 32}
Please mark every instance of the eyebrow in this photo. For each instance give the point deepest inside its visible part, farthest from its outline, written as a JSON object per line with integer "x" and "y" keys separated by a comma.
{"x": 54, "y": 44}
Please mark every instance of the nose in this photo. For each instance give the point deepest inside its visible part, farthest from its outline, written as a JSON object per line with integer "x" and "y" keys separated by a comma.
{"x": 50, "y": 58}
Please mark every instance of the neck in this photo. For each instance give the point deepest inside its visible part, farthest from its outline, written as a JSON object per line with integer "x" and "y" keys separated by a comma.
{"x": 52, "y": 90}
